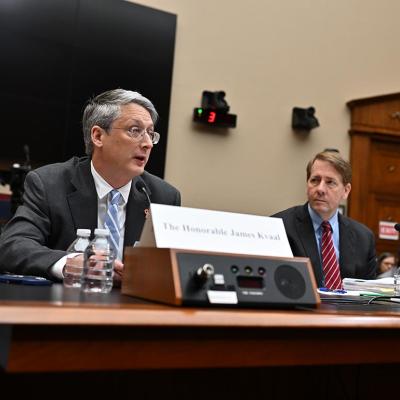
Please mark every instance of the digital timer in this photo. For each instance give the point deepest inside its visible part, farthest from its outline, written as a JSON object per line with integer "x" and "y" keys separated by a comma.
{"x": 214, "y": 117}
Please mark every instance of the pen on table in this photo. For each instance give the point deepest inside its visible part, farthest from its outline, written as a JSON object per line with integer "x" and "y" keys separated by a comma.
{"x": 324, "y": 289}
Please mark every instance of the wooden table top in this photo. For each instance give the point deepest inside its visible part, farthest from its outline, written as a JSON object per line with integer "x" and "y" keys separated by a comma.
{"x": 56, "y": 305}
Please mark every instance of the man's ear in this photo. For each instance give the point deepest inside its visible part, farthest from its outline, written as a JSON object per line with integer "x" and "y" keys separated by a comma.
{"x": 347, "y": 189}
{"x": 97, "y": 136}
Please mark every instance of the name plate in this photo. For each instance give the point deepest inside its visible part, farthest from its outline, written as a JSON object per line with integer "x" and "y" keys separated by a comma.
{"x": 209, "y": 230}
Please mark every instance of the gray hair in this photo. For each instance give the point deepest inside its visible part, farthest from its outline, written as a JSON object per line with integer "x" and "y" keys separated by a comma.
{"x": 105, "y": 108}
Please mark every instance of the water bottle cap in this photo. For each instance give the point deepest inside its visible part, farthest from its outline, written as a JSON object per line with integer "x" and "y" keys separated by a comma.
{"x": 103, "y": 232}
{"x": 83, "y": 232}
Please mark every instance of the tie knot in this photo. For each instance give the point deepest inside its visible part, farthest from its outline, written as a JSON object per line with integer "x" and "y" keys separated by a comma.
{"x": 326, "y": 226}
{"x": 114, "y": 197}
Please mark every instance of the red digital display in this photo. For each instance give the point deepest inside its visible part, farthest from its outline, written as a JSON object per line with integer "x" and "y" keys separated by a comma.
{"x": 250, "y": 282}
{"x": 211, "y": 117}
{"x": 214, "y": 117}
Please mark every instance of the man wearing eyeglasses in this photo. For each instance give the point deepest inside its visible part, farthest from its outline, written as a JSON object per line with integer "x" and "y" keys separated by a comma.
{"x": 118, "y": 131}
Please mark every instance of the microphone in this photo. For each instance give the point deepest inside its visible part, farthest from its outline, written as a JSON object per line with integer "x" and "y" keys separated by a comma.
{"x": 141, "y": 186}
{"x": 397, "y": 227}
{"x": 27, "y": 155}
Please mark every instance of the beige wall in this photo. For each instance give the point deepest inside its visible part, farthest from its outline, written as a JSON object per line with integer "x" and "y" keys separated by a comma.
{"x": 269, "y": 56}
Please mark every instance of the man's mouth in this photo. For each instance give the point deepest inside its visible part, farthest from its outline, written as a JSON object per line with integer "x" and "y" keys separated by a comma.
{"x": 140, "y": 158}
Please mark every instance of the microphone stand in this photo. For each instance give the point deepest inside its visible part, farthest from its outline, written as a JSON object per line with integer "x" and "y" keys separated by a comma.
{"x": 18, "y": 174}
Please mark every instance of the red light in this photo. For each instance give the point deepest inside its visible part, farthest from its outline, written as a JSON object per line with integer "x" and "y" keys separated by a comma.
{"x": 212, "y": 116}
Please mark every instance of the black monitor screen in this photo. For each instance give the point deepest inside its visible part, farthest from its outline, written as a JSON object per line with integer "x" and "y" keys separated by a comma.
{"x": 56, "y": 54}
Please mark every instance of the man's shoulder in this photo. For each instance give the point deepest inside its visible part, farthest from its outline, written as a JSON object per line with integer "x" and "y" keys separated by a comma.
{"x": 60, "y": 175}
{"x": 290, "y": 212}
{"x": 155, "y": 182}
{"x": 356, "y": 225}
{"x": 161, "y": 191}
{"x": 66, "y": 166}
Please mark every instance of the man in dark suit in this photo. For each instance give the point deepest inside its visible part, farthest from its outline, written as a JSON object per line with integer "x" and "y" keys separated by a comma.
{"x": 119, "y": 135}
{"x": 328, "y": 183}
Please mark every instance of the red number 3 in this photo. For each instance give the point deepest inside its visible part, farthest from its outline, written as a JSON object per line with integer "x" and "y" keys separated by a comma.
{"x": 211, "y": 117}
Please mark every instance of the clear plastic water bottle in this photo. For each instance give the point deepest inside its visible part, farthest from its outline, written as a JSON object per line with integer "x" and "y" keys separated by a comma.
{"x": 74, "y": 264}
{"x": 98, "y": 265}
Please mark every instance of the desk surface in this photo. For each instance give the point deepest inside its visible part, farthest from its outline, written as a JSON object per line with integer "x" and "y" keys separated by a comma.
{"x": 57, "y": 329}
{"x": 55, "y": 305}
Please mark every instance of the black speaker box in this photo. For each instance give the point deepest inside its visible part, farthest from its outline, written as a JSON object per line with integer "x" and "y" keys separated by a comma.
{"x": 304, "y": 118}
{"x": 193, "y": 278}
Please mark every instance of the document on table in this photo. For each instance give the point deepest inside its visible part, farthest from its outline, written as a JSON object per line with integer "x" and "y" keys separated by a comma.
{"x": 361, "y": 291}
{"x": 345, "y": 296}
{"x": 384, "y": 286}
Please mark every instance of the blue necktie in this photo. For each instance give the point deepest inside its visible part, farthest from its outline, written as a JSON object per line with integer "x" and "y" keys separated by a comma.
{"x": 111, "y": 222}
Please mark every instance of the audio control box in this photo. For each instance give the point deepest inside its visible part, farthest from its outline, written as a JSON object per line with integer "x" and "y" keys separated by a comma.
{"x": 195, "y": 278}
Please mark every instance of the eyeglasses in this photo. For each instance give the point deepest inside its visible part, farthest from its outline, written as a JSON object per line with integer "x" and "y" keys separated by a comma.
{"x": 138, "y": 134}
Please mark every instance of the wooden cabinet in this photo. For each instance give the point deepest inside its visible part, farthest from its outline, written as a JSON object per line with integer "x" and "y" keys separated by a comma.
{"x": 375, "y": 158}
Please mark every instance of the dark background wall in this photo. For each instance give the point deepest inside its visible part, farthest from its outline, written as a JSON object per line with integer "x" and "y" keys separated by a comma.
{"x": 56, "y": 54}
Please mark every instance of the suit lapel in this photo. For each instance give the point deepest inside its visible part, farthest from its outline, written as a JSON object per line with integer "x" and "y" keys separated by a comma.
{"x": 83, "y": 200}
{"x": 135, "y": 215}
{"x": 347, "y": 245}
{"x": 307, "y": 237}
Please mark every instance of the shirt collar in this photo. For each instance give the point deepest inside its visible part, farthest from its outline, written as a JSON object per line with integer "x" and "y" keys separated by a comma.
{"x": 103, "y": 187}
{"x": 317, "y": 220}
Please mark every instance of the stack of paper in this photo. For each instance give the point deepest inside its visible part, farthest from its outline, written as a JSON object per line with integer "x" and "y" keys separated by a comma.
{"x": 347, "y": 296}
{"x": 384, "y": 286}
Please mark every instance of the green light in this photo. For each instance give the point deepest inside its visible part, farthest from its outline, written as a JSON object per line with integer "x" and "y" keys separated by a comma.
{"x": 199, "y": 111}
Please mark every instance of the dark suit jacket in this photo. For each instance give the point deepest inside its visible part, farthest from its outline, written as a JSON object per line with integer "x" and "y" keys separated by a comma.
{"x": 58, "y": 199}
{"x": 356, "y": 244}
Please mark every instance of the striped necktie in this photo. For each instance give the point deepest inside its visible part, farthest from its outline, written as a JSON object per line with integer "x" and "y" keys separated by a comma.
{"x": 330, "y": 264}
{"x": 112, "y": 222}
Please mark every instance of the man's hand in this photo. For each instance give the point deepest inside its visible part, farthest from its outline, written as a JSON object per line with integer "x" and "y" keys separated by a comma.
{"x": 118, "y": 269}
{"x": 73, "y": 264}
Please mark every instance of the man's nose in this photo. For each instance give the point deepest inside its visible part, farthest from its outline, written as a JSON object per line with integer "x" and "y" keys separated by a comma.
{"x": 146, "y": 141}
{"x": 321, "y": 186}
